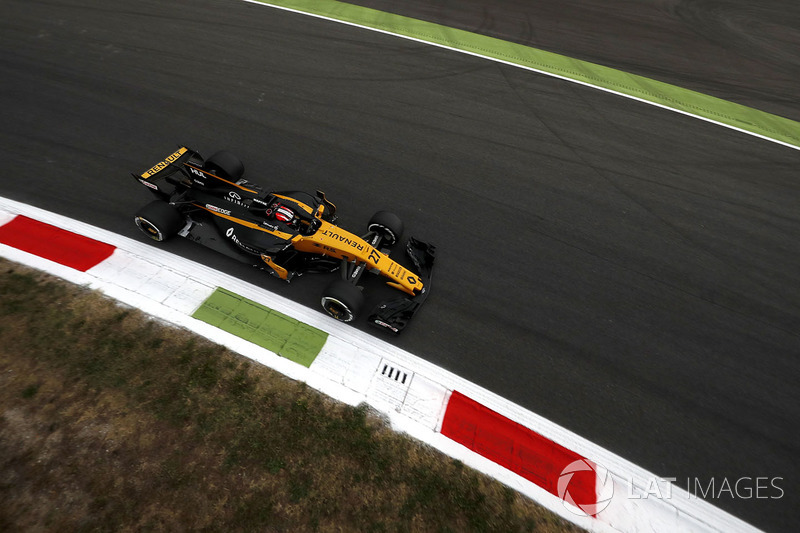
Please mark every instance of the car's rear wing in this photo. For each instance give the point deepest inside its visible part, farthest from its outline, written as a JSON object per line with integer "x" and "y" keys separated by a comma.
{"x": 164, "y": 176}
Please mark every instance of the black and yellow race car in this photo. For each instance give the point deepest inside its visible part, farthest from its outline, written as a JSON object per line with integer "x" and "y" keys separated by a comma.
{"x": 286, "y": 233}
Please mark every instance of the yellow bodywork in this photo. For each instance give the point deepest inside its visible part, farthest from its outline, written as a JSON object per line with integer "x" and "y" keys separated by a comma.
{"x": 333, "y": 241}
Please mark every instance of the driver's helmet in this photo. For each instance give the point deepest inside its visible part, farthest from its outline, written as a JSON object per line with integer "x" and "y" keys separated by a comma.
{"x": 281, "y": 213}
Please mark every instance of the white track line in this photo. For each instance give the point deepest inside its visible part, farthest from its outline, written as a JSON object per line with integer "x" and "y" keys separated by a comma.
{"x": 525, "y": 67}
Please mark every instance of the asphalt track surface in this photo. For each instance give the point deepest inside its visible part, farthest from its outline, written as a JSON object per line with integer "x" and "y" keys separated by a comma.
{"x": 627, "y": 272}
{"x": 739, "y": 50}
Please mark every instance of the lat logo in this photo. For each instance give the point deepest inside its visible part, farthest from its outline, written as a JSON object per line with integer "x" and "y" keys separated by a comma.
{"x": 604, "y": 488}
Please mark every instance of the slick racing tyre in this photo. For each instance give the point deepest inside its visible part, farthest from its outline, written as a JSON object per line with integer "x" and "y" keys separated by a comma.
{"x": 388, "y": 224}
{"x": 159, "y": 220}
{"x": 342, "y": 300}
{"x": 225, "y": 164}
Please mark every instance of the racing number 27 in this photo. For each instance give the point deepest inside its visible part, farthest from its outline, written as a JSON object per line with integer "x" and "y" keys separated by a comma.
{"x": 374, "y": 256}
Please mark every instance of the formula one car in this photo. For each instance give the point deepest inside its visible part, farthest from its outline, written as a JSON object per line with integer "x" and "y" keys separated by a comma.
{"x": 286, "y": 233}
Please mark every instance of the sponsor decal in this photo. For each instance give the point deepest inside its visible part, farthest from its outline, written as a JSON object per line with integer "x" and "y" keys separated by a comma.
{"x": 329, "y": 249}
{"x": 217, "y": 209}
{"x": 195, "y": 171}
{"x": 267, "y": 225}
{"x": 230, "y": 233}
{"x": 343, "y": 239}
{"x": 234, "y": 198}
{"x": 164, "y": 164}
{"x": 385, "y": 325}
{"x": 147, "y": 183}
{"x": 357, "y": 271}
{"x": 396, "y": 270}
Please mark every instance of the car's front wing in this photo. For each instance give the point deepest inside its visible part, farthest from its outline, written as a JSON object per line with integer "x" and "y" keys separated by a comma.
{"x": 394, "y": 315}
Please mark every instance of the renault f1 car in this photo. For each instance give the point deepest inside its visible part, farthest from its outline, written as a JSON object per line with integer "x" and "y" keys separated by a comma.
{"x": 286, "y": 233}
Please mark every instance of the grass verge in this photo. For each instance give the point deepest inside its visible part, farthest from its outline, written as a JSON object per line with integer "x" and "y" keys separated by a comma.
{"x": 112, "y": 421}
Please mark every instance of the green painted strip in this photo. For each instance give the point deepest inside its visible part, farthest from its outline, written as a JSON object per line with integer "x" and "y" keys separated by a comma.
{"x": 263, "y": 326}
{"x": 697, "y": 104}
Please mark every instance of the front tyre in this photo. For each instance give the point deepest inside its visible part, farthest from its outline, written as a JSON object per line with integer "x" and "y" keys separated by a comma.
{"x": 159, "y": 220}
{"x": 387, "y": 224}
{"x": 342, "y": 300}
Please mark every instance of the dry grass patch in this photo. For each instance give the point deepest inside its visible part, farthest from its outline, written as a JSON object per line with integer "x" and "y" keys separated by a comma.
{"x": 112, "y": 421}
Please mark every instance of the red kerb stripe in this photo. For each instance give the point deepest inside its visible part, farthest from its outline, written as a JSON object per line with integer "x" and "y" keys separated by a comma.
{"x": 517, "y": 448}
{"x": 55, "y": 244}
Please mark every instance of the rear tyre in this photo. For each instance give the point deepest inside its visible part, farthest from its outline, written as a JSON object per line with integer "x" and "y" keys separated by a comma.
{"x": 388, "y": 224}
{"x": 159, "y": 220}
{"x": 342, "y": 300}
{"x": 225, "y": 164}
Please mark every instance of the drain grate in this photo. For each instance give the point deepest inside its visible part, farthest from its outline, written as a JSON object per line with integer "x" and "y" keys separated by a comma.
{"x": 390, "y": 384}
{"x": 394, "y": 373}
